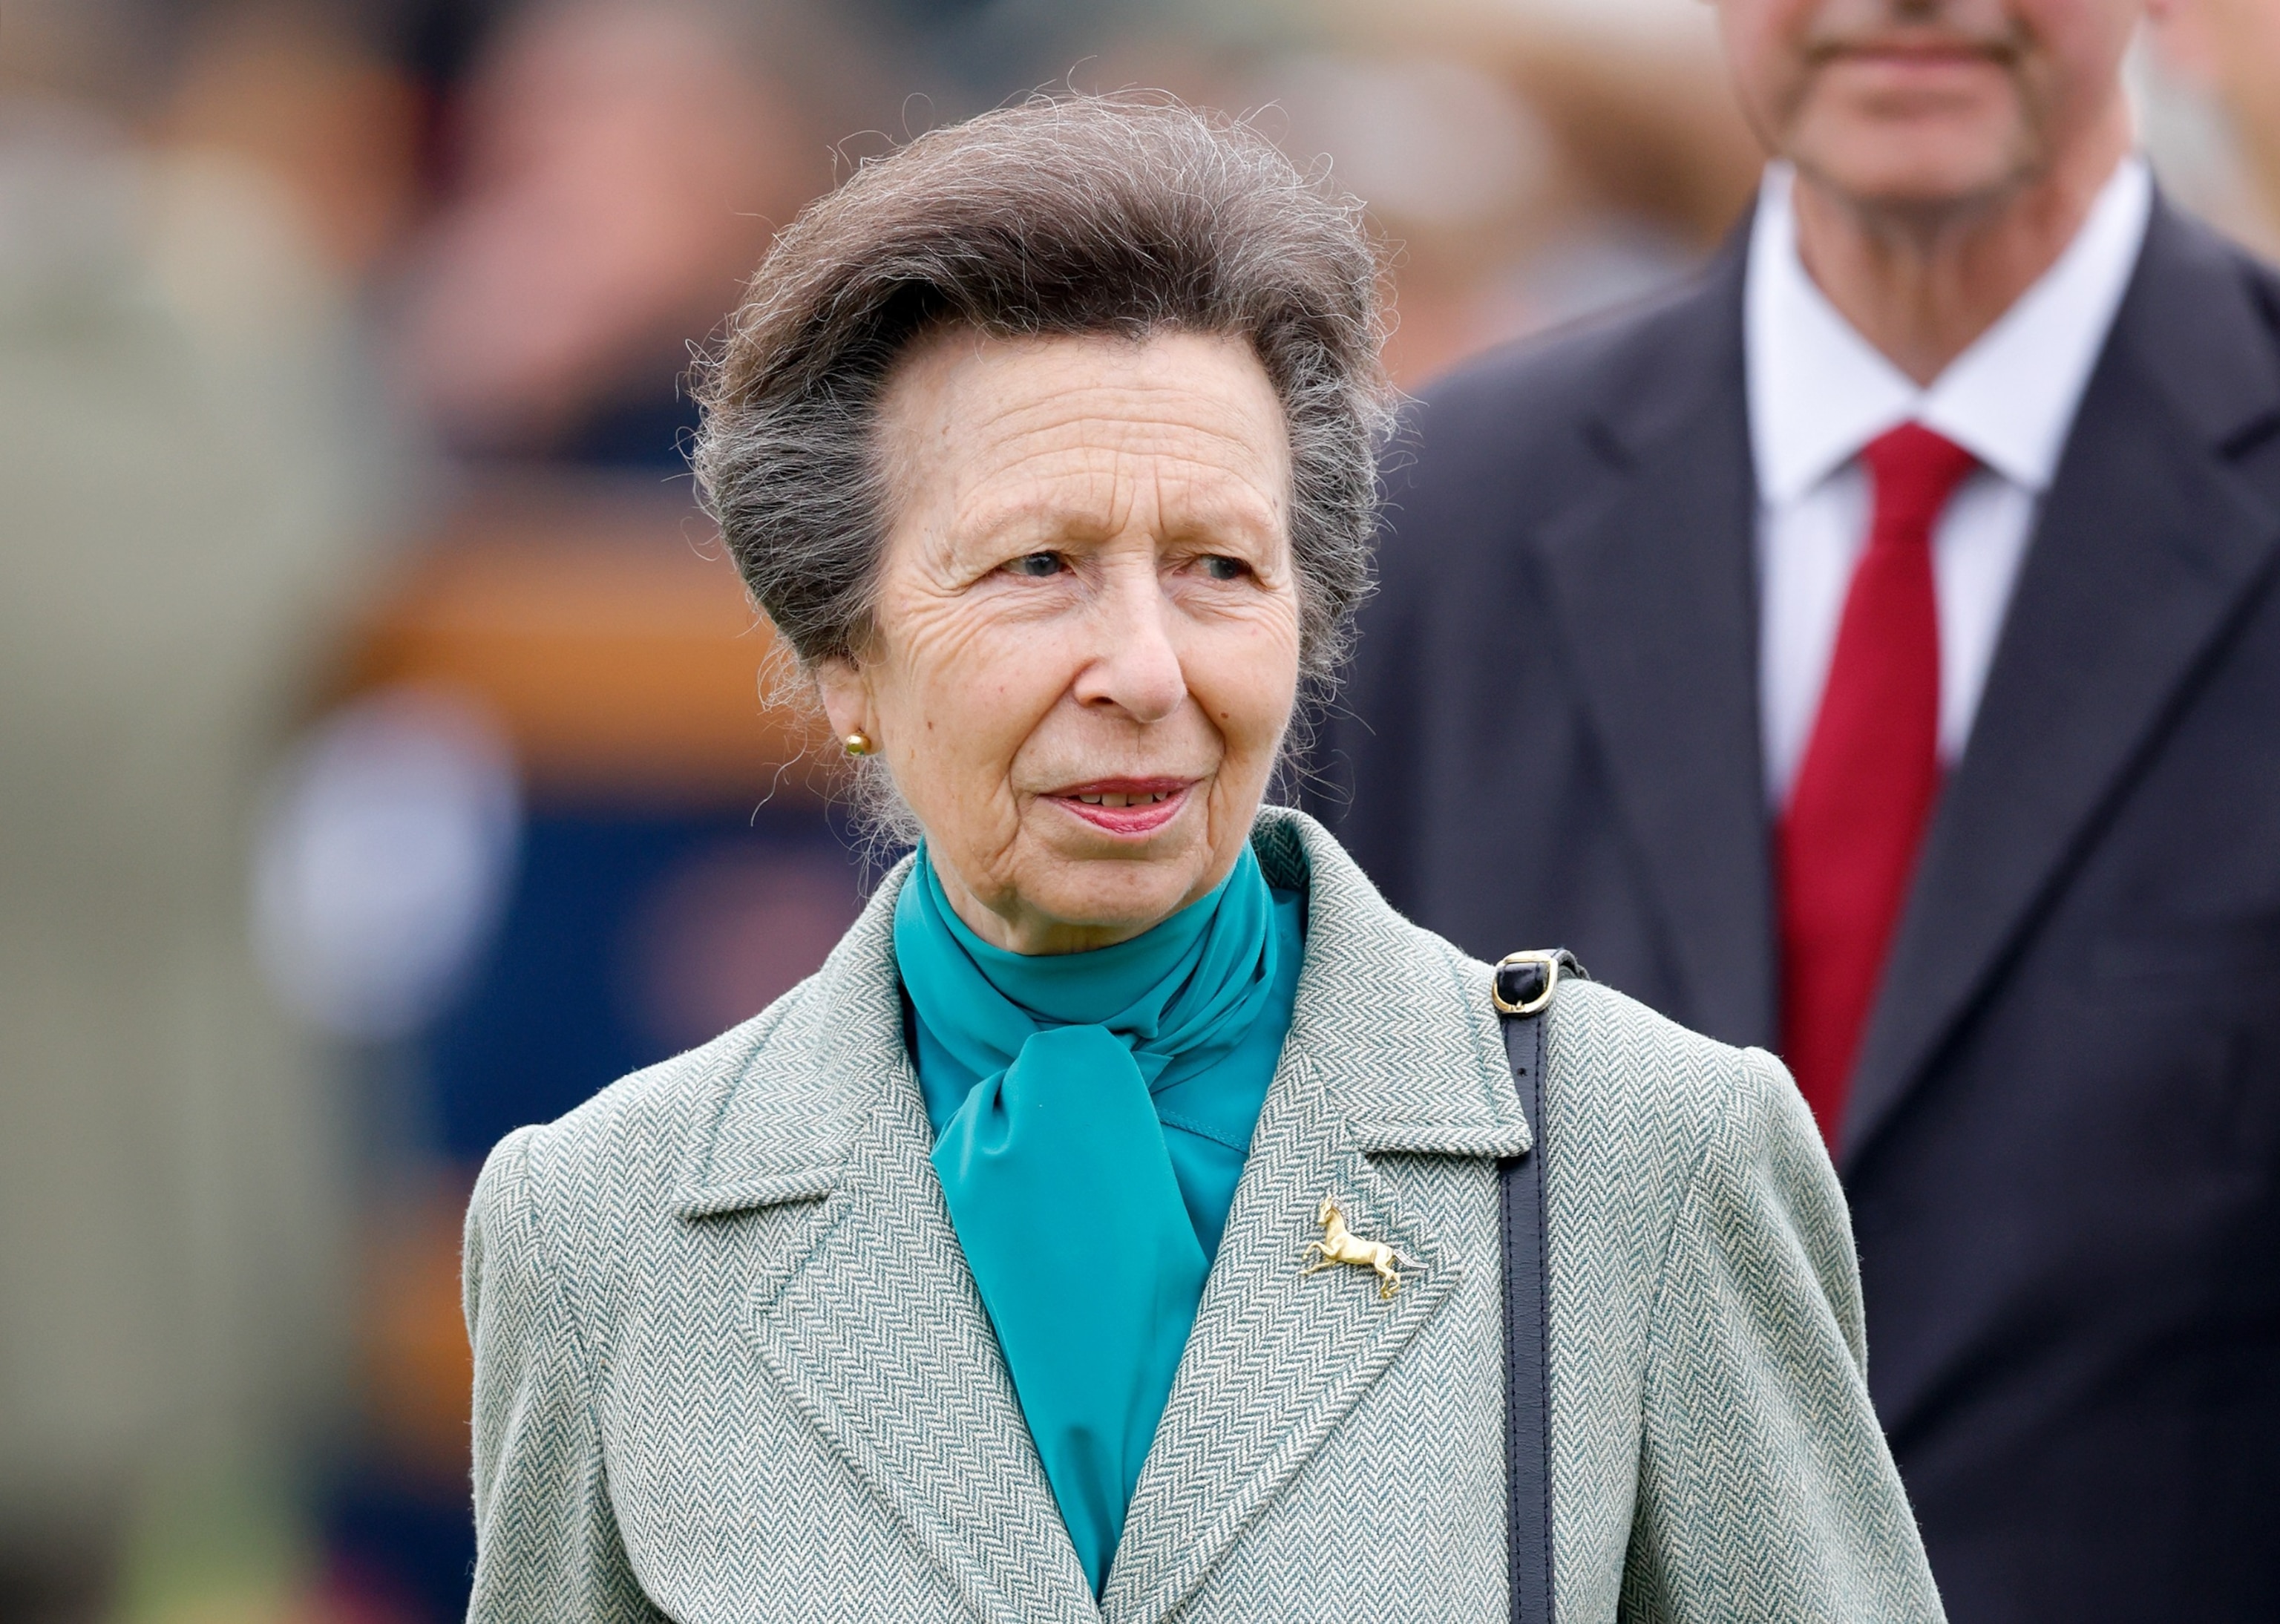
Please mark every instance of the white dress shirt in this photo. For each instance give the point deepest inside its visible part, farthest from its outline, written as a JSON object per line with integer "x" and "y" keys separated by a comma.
{"x": 1818, "y": 393}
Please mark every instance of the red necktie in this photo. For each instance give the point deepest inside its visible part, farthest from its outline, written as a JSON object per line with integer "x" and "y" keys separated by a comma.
{"x": 1846, "y": 849}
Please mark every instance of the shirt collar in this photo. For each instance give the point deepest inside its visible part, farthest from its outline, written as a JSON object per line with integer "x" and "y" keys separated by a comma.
{"x": 1818, "y": 391}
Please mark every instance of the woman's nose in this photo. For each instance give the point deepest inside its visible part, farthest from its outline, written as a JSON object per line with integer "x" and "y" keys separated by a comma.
{"x": 1136, "y": 668}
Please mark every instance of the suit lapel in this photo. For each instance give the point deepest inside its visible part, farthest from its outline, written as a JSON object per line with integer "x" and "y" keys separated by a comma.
{"x": 1653, "y": 583}
{"x": 1277, "y": 1359}
{"x": 2148, "y": 544}
{"x": 874, "y": 1328}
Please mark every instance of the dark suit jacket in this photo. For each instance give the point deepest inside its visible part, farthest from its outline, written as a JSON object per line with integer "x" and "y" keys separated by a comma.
{"x": 2063, "y": 1141}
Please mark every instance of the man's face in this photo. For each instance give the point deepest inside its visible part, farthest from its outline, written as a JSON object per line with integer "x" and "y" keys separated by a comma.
{"x": 1926, "y": 105}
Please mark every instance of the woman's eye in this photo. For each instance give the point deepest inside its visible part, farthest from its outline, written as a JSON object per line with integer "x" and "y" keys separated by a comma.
{"x": 1218, "y": 566}
{"x": 1037, "y": 565}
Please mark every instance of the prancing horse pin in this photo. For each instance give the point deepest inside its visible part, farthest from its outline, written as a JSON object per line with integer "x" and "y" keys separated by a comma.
{"x": 1340, "y": 1244}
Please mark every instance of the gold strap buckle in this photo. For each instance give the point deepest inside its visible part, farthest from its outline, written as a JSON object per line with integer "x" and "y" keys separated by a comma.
{"x": 1524, "y": 982}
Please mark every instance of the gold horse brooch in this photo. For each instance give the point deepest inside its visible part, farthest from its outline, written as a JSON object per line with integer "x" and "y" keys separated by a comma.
{"x": 1340, "y": 1244}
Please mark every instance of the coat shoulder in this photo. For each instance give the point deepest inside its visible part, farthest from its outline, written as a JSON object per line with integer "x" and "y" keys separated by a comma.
{"x": 633, "y": 1133}
{"x": 1642, "y": 1113}
{"x": 1643, "y": 1090}
{"x": 650, "y": 1148}
{"x": 1613, "y": 1047}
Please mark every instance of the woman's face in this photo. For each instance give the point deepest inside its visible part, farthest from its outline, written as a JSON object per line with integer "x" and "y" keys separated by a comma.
{"x": 1086, "y": 642}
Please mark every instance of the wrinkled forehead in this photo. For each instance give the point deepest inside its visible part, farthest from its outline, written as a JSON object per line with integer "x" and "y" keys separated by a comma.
{"x": 1085, "y": 435}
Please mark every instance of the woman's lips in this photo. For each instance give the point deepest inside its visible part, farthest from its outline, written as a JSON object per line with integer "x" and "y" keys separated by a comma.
{"x": 1126, "y": 805}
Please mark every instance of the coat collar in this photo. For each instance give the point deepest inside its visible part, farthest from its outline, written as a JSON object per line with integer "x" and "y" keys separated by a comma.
{"x": 782, "y": 1125}
{"x": 1393, "y": 1047}
{"x": 875, "y": 1328}
{"x": 869, "y": 1319}
{"x": 1412, "y": 1058}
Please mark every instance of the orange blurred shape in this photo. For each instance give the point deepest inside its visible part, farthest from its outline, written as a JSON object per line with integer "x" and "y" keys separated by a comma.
{"x": 418, "y": 1370}
{"x": 609, "y": 636}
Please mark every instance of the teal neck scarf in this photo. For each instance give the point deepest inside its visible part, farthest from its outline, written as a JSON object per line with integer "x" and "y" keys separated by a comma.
{"x": 1091, "y": 1114}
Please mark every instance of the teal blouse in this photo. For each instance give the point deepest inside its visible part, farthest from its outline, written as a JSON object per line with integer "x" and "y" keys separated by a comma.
{"x": 1091, "y": 1115}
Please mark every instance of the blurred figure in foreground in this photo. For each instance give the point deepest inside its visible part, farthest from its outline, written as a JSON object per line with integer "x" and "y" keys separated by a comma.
{"x": 188, "y": 496}
{"x": 1872, "y": 650}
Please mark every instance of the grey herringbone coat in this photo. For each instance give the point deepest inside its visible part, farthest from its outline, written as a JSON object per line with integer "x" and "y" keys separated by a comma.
{"x": 730, "y": 1365}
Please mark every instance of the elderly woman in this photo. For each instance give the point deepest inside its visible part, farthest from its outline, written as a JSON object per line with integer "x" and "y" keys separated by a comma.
{"x": 1003, "y": 1269}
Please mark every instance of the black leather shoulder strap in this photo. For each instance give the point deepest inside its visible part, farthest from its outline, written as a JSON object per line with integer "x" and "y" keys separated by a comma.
{"x": 1524, "y": 985}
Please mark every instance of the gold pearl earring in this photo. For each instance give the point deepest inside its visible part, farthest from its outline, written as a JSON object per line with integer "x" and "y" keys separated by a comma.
{"x": 857, "y": 744}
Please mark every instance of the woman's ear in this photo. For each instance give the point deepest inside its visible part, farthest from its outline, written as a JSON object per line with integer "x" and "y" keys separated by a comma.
{"x": 846, "y": 695}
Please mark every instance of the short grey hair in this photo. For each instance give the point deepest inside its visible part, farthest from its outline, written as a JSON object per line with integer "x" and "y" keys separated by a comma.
{"x": 1126, "y": 214}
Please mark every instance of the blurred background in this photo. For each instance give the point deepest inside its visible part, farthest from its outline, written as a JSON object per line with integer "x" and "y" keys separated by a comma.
{"x": 384, "y": 757}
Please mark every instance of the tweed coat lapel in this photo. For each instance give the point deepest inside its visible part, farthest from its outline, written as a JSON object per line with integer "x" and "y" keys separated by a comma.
{"x": 875, "y": 1330}
{"x": 1278, "y": 1358}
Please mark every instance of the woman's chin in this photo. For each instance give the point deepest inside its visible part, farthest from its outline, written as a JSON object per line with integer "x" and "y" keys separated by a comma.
{"x": 1103, "y": 884}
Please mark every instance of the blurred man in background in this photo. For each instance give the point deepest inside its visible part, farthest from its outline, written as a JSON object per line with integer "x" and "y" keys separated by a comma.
{"x": 1874, "y": 652}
